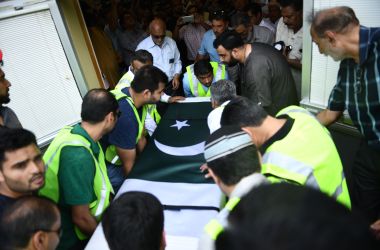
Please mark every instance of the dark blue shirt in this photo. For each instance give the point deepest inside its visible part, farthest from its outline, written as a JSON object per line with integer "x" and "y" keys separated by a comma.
{"x": 125, "y": 133}
{"x": 5, "y": 201}
{"x": 358, "y": 87}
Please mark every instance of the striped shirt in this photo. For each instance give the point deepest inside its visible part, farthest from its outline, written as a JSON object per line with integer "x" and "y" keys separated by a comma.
{"x": 358, "y": 87}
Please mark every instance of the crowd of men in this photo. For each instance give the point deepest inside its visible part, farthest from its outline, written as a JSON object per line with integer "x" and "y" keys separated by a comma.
{"x": 275, "y": 161}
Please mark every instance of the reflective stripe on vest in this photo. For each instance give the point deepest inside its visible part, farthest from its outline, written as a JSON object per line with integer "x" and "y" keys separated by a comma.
{"x": 111, "y": 154}
{"x": 215, "y": 227}
{"x": 152, "y": 111}
{"x": 125, "y": 81}
{"x": 219, "y": 72}
{"x": 317, "y": 165}
{"x": 102, "y": 186}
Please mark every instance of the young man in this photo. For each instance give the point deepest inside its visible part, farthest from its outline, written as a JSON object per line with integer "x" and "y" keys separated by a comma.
{"x": 296, "y": 148}
{"x": 135, "y": 221}
{"x": 265, "y": 78}
{"x": 128, "y": 137}
{"x": 232, "y": 160}
{"x": 32, "y": 223}
{"x": 338, "y": 34}
{"x": 76, "y": 175}
{"x": 22, "y": 170}
{"x": 200, "y": 76}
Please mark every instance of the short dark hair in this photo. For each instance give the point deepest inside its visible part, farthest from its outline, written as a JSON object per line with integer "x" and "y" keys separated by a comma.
{"x": 97, "y": 104}
{"x": 142, "y": 56}
{"x": 12, "y": 139}
{"x": 255, "y": 8}
{"x": 148, "y": 77}
{"x": 243, "y": 112}
{"x": 338, "y": 19}
{"x": 202, "y": 67}
{"x": 285, "y": 216}
{"x": 218, "y": 14}
{"x": 234, "y": 164}
{"x": 297, "y": 5}
{"x": 134, "y": 221}
{"x": 222, "y": 91}
{"x": 229, "y": 40}
{"x": 23, "y": 218}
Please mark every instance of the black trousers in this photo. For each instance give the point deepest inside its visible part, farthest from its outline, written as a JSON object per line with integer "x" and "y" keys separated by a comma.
{"x": 366, "y": 181}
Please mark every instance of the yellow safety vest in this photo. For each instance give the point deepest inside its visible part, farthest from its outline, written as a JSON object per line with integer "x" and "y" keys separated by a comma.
{"x": 111, "y": 154}
{"x": 215, "y": 227}
{"x": 219, "y": 72}
{"x": 125, "y": 81}
{"x": 319, "y": 166}
{"x": 102, "y": 186}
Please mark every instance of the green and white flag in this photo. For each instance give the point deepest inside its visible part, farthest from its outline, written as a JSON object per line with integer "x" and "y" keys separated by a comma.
{"x": 175, "y": 151}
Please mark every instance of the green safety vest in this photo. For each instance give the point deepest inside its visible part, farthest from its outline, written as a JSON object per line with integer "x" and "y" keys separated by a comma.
{"x": 215, "y": 227}
{"x": 319, "y": 167}
{"x": 125, "y": 82}
{"x": 111, "y": 154}
{"x": 219, "y": 72}
{"x": 102, "y": 186}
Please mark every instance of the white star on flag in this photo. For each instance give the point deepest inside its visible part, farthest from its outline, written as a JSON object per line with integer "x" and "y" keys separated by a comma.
{"x": 180, "y": 124}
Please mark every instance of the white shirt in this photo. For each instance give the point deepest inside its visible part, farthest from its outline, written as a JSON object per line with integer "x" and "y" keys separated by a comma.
{"x": 290, "y": 38}
{"x": 166, "y": 57}
{"x": 213, "y": 119}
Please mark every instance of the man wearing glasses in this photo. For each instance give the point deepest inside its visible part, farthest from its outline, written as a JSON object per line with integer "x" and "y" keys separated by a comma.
{"x": 165, "y": 53}
{"x": 31, "y": 223}
{"x": 338, "y": 34}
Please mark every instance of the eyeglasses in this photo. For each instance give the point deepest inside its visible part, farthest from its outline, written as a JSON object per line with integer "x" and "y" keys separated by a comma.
{"x": 58, "y": 231}
{"x": 219, "y": 12}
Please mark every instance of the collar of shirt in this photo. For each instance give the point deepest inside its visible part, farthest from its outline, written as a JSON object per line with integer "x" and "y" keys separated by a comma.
{"x": 77, "y": 129}
{"x": 151, "y": 44}
{"x": 366, "y": 37}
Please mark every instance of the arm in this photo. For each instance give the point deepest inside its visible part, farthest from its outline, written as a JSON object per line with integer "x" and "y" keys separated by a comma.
{"x": 177, "y": 68}
{"x": 202, "y": 52}
{"x": 83, "y": 219}
{"x": 294, "y": 63}
{"x": 141, "y": 143}
{"x": 327, "y": 117}
{"x": 127, "y": 157}
{"x": 186, "y": 85}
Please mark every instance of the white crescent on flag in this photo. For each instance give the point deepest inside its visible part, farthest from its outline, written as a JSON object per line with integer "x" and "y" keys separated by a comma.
{"x": 195, "y": 149}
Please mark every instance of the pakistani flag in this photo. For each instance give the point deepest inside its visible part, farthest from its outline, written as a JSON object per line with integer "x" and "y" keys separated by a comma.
{"x": 169, "y": 169}
{"x": 175, "y": 151}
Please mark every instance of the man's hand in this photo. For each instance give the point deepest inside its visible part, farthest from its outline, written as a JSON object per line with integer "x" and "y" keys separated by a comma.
{"x": 175, "y": 81}
{"x": 176, "y": 99}
{"x": 204, "y": 168}
{"x": 375, "y": 228}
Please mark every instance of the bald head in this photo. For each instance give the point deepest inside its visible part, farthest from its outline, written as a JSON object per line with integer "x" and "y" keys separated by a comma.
{"x": 338, "y": 19}
{"x": 157, "y": 29}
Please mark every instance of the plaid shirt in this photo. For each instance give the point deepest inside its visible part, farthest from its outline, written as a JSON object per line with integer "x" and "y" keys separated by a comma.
{"x": 358, "y": 87}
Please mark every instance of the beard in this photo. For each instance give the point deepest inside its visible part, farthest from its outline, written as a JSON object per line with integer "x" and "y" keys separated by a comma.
{"x": 232, "y": 62}
{"x": 5, "y": 99}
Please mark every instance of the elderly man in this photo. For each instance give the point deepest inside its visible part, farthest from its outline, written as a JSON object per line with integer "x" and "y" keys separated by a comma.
{"x": 164, "y": 50}
{"x": 22, "y": 170}
{"x": 222, "y": 92}
{"x": 265, "y": 78}
{"x": 200, "y": 76}
{"x": 338, "y": 33}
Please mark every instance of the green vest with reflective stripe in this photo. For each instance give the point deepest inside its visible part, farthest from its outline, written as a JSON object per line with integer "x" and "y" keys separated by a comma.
{"x": 306, "y": 155}
{"x": 215, "y": 226}
{"x": 111, "y": 154}
{"x": 219, "y": 72}
{"x": 125, "y": 81}
{"x": 102, "y": 186}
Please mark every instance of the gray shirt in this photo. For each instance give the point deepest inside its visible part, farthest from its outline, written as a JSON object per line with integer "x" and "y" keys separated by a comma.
{"x": 9, "y": 118}
{"x": 266, "y": 79}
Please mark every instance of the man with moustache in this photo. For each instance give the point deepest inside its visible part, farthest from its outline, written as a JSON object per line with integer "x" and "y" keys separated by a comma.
{"x": 8, "y": 117}
{"x": 21, "y": 165}
{"x": 265, "y": 75}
